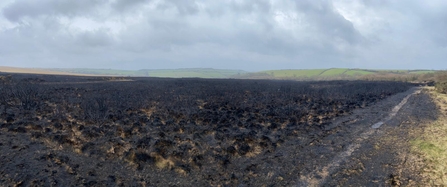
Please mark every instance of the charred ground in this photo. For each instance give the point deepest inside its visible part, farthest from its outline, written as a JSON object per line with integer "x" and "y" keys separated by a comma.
{"x": 61, "y": 130}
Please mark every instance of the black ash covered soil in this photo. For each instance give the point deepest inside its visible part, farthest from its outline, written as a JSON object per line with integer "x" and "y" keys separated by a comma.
{"x": 174, "y": 132}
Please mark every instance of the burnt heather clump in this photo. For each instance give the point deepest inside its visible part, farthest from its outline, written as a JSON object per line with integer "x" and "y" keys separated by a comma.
{"x": 196, "y": 131}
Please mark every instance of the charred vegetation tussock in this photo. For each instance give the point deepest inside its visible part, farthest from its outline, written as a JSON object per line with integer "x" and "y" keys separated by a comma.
{"x": 183, "y": 125}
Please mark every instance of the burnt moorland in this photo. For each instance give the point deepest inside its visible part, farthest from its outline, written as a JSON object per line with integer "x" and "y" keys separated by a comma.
{"x": 155, "y": 131}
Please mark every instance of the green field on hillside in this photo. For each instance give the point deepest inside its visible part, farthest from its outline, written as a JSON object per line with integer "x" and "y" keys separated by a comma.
{"x": 295, "y": 73}
{"x": 335, "y": 73}
{"x": 313, "y": 73}
{"x": 422, "y": 71}
{"x": 356, "y": 72}
{"x": 403, "y": 71}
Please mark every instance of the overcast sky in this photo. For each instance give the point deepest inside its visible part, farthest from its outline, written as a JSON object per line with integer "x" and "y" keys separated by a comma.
{"x": 230, "y": 34}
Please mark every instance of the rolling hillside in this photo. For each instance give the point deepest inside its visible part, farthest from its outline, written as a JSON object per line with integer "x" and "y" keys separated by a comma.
{"x": 290, "y": 74}
{"x": 332, "y": 73}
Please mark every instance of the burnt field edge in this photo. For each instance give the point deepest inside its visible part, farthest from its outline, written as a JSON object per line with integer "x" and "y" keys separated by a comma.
{"x": 203, "y": 129}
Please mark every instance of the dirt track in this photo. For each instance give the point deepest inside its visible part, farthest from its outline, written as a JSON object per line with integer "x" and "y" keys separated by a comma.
{"x": 359, "y": 155}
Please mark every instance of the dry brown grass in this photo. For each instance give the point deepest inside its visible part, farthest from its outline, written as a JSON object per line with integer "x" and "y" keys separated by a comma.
{"x": 163, "y": 163}
{"x": 432, "y": 145}
{"x": 36, "y": 71}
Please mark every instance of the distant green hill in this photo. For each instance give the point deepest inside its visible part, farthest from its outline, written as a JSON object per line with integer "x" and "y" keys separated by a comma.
{"x": 173, "y": 73}
{"x": 314, "y": 73}
{"x": 292, "y": 74}
{"x": 332, "y": 73}
{"x": 199, "y": 72}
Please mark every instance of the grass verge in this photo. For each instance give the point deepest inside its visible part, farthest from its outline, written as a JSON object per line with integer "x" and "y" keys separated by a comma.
{"x": 432, "y": 144}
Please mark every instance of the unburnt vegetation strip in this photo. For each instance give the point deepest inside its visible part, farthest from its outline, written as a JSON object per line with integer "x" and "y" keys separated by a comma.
{"x": 207, "y": 131}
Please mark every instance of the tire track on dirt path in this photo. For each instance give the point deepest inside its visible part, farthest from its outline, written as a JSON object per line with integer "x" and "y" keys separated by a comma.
{"x": 395, "y": 110}
{"x": 318, "y": 177}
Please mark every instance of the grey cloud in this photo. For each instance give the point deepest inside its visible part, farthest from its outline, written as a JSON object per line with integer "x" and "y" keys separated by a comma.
{"x": 329, "y": 22}
{"x": 420, "y": 21}
{"x": 159, "y": 35}
{"x": 122, "y": 5}
{"x": 19, "y": 9}
{"x": 183, "y": 7}
{"x": 435, "y": 24}
{"x": 232, "y": 34}
{"x": 375, "y": 3}
{"x": 97, "y": 38}
{"x": 257, "y": 6}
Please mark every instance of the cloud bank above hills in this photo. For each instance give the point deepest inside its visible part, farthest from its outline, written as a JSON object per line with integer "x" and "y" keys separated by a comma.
{"x": 234, "y": 34}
